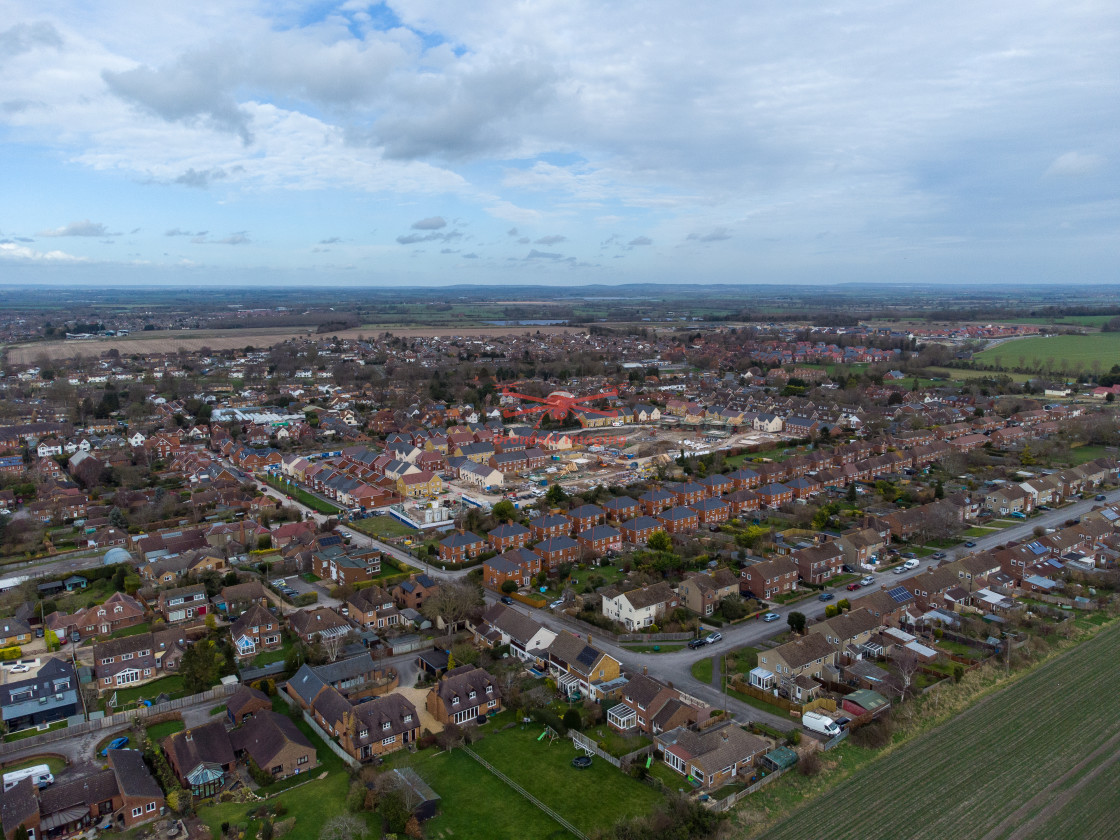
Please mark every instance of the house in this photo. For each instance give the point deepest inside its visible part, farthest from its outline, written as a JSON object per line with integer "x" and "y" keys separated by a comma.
{"x": 48, "y": 692}
{"x": 274, "y": 743}
{"x": 184, "y": 603}
{"x": 686, "y": 494}
{"x": 507, "y": 536}
{"x": 346, "y": 566}
{"x": 380, "y": 726}
{"x": 14, "y": 631}
{"x": 818, "y": 563}
{"x": 321, "y": 622}
{"x": 372, "y": 607}
{"x": 257, "y": 630}
{"x": 655, "y": 501}
{"x": 638, "y": 608}
{"x": 1008, "y": 498}
{"x": 412, "y": 593}
{"x": 847, "y": 630}
{"x": 679, "y": 520}
{"x": 862, "y": 548}
{"x": 201, "y": 757}
{"x": 355, "y": 676}
{"x": 519, "y": 565}
{"x": 527, "y": 640}
{"x": 586, "y": 517}
{"x": 702, "y": 592}
{"x": 774, "y": 494}
{"x": 621, "y": 508}
{"x": 638, "y": 530}
{"x": 235, "y": 599}
{"x": 578, "y": 665}
{"x": 768, "y": 579}
{"x": 461, "y": 546}
{"x": 245, "y": 702}
{"x": 650, "y": 706}
{"x": 140, "y": 794}
{"x": 550, "y": 525}
{"x": 711, "y": 758}
{"x": 463, "y": 695}
{"x": 712, "y": 511}
{"x": 556, "y": 551}
{"x": 129, "y": 660}
{"x": 806, "y": 656}
{"x": 600, "y": 539}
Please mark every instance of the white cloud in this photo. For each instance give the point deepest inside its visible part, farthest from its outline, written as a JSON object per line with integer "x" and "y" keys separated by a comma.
{"x": 1076, "y": 164}
{"x": 82, "y": 228}
{"x": 12, "y": 251}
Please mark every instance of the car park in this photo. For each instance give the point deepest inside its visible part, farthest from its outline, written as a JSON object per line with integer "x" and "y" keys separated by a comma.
{"x": 712, "y": 638}
{"x": 825, "y": 596}
{"x": 771, "y": 616}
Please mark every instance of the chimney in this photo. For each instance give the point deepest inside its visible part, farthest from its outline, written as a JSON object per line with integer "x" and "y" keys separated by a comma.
{"x": 645, "y": 670}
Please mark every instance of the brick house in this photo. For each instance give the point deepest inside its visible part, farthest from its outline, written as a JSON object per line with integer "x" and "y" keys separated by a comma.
{"x": 638, "y": 530}
{"x": 701, "y": 592}
{"x": 650, "y": 706}
{"x": 655, "y": 501}
{"x": 716, "y": 485}
{"x": 745, "y": 478}
{"x": 372, "y": 607}
{"x": 687, "y": 493}
{"x": 412, "y": 593}
{"x": 275, "y": 744}
{"x": 712, "y": 511}
{"x": 557, "y": 550}
{"x": 519, "y": 565}
{"x": 184, "y": 603}
{"x": 621, "y": 508}
{"x": 774, "y": 494}
{"x": 321, "y": 621}
{"x": 818, "y": 563}
{"x": 337, "y": 563}
{"x": 201, "y": 757}
{"x": 255, "y": 631}
{"x": 713, "y": 757}
{"x": 507, "y": 536}
{"x": 550, "y": 525}
{"x": 245, "y": 702}
{"x": 461, "y": 546}
{"x": 679, "y": 520}
{"x": 586, "y": 516}
{"x": 462, "y": 695}
{"x": 742, "y": 501}
{"x": 599, "y": 539}
{"x": 768, "y": 579}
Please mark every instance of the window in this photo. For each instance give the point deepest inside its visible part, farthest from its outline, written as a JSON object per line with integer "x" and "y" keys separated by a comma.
{"x": 136, "y": 812}
{"x": 364, "y": 733}
{"x": 151, "y": 806}
{"x": 408, "y": 718}
{"x": 385, "y": 725}
{"x": 303, "y": 759}
{"x": 392, "y": 739}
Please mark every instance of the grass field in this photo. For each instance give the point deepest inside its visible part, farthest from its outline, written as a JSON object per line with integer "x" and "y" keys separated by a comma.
{"x": 702, "y": 670}
{"x": 56, "y": 762}
{"x": 384, "y": 526}
{"x": 302, "y": 496}
{"x": 1013, "y": 765}
{"x": 1062, "y": 352}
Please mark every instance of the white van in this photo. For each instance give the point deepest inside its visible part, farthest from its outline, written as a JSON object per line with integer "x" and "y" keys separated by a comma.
{"x": 40, "y": 776}
{"x": 822, "y": 724}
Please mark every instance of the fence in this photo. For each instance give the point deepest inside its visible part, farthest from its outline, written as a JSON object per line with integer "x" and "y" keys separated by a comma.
{"x": 728, "y": 801}
{"x": 327, "y": 739}
{"x": 248, "y": 675}
{"x": 525, "y": 793}
{"x": 834, "y": 742}
{"x": 781, "y": 702}
{"x": 119, "y": 719}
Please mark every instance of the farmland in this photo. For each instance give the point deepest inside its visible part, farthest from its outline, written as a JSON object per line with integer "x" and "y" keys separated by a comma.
{"x": 1028, "y": 761}
{"x": 1062, "y": 353}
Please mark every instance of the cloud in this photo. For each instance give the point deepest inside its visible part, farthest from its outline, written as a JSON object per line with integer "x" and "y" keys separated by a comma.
{"x": 9, "y": 250}
{"x": 431, "y": 223}
{"x": 201, "y": 179}
{"x": 180, "y": 232}
{"x": 471, "y": 256}
{"x": 333, "y": 240}
{"x": 1076, "y": 165}
{"x": 414, "y": 238}
{"x": 639, "y": 240}
{"x": 554, "y": 239}
{"x": 718, "y": 234}
{"x": 25, "y": 37}
{"x": 512, "y": 232}
{"x": 82, "y": 228}
{"x": 534, "y": 254}
{"x": 196, "y": 87}
{"x": 239, "y": 238}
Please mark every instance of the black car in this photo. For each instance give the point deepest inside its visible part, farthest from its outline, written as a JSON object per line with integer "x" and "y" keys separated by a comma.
{"x": 506, "y": 599}
{"x": 697, "y": 643}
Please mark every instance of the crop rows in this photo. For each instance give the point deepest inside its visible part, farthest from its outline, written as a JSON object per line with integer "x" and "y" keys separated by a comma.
{"x": 980, "y": 769}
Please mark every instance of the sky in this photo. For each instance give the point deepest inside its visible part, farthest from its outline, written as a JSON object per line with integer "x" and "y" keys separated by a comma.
{"x": 559, "y": 141}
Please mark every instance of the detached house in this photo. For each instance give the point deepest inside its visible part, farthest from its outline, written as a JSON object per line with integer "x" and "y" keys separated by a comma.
{"x": 714, "y": 757}
{"x": 256, "y": 631}
{"x": 650, "y": 706}
{"x": 463, "y": 695}
{"x": 577, "y": 664}
{"x": 322, "y": 622}
{"x": 640, "y": 607}
{"x": 702, "y": 592}
{"x": 183, "y": 603}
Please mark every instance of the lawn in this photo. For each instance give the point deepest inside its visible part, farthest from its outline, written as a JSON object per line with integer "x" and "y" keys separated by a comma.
{"x": 1058, "y": 353}
{"x": 383, "y": 527}
{"x": 160, "y": 731}
{"x": 741, "y": 661}
{"x": 56, "y": 762}
{"x": 994, "y": 768}
{"x": 302, "y": 496}
{"x": 616, "y": 743}
{"x": 664, "y": 647}
{"x": 171, "y": 685}
{"x": 27, "y": 733}
{"x": 702, "y": 670}
{"x": 1079, "y": 455}
{"x": 134, "y": 630}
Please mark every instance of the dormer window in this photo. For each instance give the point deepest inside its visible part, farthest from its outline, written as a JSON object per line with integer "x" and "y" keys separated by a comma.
{"x": 489, "y": 689}
{"x": 386, "y": 725}
{"x": 408, "y": 718}
{"x": 364, "y": 733}
{"x": 473, "y": 694}
{"x": 455, "y": 701}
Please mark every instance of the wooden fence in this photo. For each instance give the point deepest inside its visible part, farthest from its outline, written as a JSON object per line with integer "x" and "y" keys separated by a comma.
{"x": 781, "y": 702}
{"x": 728, "y": 801}
{"x": 117, "y": 720}
{"x": 587, "y": 744}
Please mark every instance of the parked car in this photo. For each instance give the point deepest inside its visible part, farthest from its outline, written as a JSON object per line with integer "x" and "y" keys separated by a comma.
{"x": 559, "y": 602}
{"x": 20, "y": 668}
{"x": 506, "y": 599}
{"x": 825, "y": 596}
{"x": 1100, "y": 497}
{"x": 697, "y": 643}
{"x": 771, "y": 616}
{"x": 970, "y": 544}
{"x": 712, "y": 638}
{"x": 939, "y": 555}
{"x": 854, "y": 585}
{"x": 866, "y": 580}
{"x": 115, "y": 744}
{"x": 1018, "y": 514}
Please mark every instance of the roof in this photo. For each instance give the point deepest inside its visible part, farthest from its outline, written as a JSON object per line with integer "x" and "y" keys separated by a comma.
{"x": 19, "y": 805}
{"x": 345, "y": 669}
{"x": 206, "y": 744}
{"x": 242, "y": 696}
{"x": 133, "y": 776}
{"x": 306, "y": 684}
{"x": 459, "y": 682}
{"x": 867, "y": 699}
{"x": 265, "y": 735}
{"x": 802, "y": 651}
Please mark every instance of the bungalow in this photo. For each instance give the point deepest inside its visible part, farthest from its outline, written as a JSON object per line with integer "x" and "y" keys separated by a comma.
{"x": 463, "y": 695}
{"x": 712, "y": 758}
{"x": 527, "y": 640}
{"x": 201, "y": 757}
{"x": 274, "y": 743}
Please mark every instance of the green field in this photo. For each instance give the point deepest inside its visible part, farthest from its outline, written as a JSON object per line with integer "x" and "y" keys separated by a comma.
{"x": 474, "y": 803}
{"x": 1060, "y": 353}
{"x": 302, "y": 496}
{"x": 1027, "y": 761}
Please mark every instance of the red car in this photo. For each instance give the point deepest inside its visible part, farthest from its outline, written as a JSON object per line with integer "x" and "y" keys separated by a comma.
{"x": 852, "y": 587}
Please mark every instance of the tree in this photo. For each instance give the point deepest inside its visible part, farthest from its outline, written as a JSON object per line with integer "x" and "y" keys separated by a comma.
{"x": 51, "y": 639}
{"x": 332, "y": 646}
{"x": 504, "y": 511}
{"x": 199, "y": 666}
{"x": 939, "y": 490}
{"x": 452, "y": 602}
{"x": 572, "y": 720}
{"x": 796, "y": 622}
{"x": 1026, "y": 457}
{"x": 509, "y": 586}
{"x": 659, "y": 541}
{"x": 851, "y": 494}
{"x": 733, "y": 607}
{"x": 344, "y": 827}
{"x": 555, "y": 495}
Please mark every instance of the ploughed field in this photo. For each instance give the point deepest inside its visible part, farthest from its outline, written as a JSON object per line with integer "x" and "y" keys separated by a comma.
{"x": 1036, "y": 761}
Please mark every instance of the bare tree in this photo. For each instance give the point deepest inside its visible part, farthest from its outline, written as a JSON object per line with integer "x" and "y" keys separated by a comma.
{"x": 453, "y": 602}
{"x": 905, "y": 667}
{"x": 333, "y": 645}
{"x": 344, "y": 827}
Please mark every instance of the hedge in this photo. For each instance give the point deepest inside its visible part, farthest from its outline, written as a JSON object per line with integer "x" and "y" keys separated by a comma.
{"x": 11, "y": 653}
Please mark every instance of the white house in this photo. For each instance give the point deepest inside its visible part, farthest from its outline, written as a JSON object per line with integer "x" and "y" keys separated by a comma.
{"x": 638, "y": 608}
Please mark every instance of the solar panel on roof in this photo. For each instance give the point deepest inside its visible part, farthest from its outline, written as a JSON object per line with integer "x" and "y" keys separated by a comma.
{"x": 899, "y": 594}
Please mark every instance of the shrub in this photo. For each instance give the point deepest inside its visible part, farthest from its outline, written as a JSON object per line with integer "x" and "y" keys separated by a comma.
{"x": 809, "y": 764}
{"x": 509, "y": 586}
{"x": 548, "y": 718}
{"x": 572, "y": 720}
{"x": 283, "y": 827}
{"x": 11, "y": 653}
{"x": 875, "y": 735}
{"x": 793, "y": 737}
{"x": 356, "y": 797}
